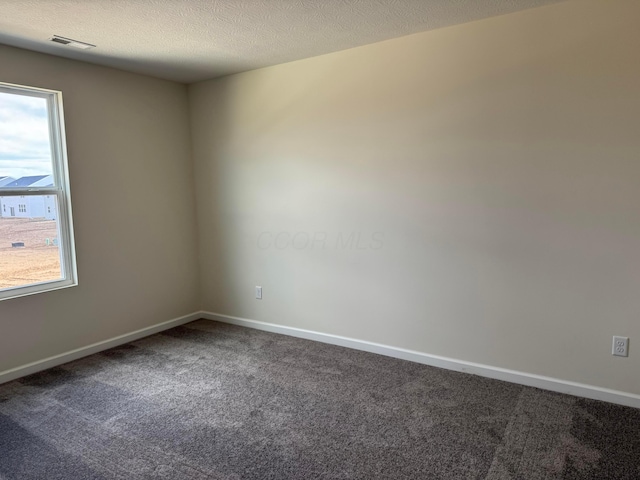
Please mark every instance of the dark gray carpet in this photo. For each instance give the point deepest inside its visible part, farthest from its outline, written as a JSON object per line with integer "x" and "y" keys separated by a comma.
{"x": 214, "y": 401}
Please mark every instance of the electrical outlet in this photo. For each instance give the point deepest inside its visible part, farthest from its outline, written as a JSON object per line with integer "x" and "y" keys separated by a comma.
{"x": 620, "y": 346}
{"x": 259, "y": 293}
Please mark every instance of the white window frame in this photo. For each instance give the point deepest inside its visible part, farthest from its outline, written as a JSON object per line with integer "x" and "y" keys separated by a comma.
{"x": 60, "y": 189}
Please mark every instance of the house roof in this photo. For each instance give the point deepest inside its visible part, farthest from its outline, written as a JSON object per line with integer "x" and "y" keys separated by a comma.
{"x": 46, "y": 181}
{"x": 31, "y": 181}
{"x": 4, "y": 180}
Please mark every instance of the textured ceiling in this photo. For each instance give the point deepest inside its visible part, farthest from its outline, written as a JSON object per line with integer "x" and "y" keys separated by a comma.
{"x": 193, "y": 40}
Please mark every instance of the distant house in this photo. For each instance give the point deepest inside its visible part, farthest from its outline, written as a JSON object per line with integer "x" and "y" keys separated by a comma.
{"x": 27, "y": 206}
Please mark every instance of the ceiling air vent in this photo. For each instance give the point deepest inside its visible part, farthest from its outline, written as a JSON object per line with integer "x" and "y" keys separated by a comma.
{"x": 71, "y": 43}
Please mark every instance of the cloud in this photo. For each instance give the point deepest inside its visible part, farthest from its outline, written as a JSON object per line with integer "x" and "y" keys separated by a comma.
{"x": 24, "y": 136}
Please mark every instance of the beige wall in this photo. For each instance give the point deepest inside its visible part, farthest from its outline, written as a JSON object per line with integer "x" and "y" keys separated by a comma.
{"x": 133, "y": 206}
{"x": 498, "y": 161}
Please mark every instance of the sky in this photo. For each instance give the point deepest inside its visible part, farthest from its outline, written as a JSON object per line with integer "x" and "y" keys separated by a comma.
{"x": 24, "y": 136}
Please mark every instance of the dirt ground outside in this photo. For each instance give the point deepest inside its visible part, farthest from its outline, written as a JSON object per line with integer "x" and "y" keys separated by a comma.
{"x": 36, "y": 261}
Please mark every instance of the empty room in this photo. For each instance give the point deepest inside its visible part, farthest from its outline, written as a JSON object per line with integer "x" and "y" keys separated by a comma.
{"x": 305, "y": 239}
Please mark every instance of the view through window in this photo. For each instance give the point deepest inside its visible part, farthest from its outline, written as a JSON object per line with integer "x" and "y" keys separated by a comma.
{"x": 36, "y": 244}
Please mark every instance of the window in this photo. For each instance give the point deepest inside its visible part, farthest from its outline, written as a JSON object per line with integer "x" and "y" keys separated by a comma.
{"x": 37, "y": 252}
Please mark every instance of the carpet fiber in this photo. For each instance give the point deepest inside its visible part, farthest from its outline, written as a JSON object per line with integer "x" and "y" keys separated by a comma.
{"x": 215, "y": 401}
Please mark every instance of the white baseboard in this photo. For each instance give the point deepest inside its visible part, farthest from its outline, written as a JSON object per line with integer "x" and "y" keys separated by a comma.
{"x": 56, "y": 360}
{"x": 513, "y": 376}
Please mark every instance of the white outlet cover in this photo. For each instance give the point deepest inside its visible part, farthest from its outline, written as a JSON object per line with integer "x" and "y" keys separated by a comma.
{"x": 620, "y": 347}
{"x": 259, "y": 293}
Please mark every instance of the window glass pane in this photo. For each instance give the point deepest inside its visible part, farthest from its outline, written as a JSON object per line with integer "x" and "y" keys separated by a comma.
{"x": 25, "y": 146}
{"x": 29, "y": 240}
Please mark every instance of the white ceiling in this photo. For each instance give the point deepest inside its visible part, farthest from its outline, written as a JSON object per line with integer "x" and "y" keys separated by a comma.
{"x": 193, "y": 40}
